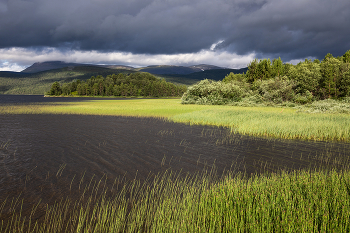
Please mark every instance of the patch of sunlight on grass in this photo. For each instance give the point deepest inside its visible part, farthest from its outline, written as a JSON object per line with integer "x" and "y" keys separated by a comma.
{"x": 257, "y": 121}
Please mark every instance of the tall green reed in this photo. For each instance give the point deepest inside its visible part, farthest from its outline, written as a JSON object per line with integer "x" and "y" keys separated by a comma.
{"x": 311, "y": 201}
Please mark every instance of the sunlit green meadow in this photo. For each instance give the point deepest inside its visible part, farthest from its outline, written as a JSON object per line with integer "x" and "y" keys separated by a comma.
{"x": 274, "y": 122}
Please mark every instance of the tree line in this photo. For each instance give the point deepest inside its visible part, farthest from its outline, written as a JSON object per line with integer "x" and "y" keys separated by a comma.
{"x": 134, "y": 84}
{"x": 276, "y": 81}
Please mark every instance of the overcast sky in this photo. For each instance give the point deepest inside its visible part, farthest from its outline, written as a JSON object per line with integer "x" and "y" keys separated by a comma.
{"x": 228, "y": 33}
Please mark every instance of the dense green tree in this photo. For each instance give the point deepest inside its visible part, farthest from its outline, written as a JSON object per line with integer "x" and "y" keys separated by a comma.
{"x": 344, "y": 82}
{"x": 277, "y": 68}
{"x": 261, "y": 70}
{"x": 55, "y": 89}
{"x": 277, "y": 89}
{"x": 330, "y": 70}
{"x": 136, "y": 84}
{"x": 264, "y": 69}
{"x": 80, "y": 89}
{"x": 346, "y": 57}
{"x": 307, "y": 76}
{"x": 252, "y": 73}
{"x": 95, "y": 89}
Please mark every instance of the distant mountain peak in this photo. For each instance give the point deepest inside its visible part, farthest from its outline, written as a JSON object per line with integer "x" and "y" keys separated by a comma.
{"x": 51, "y": 65}
{"x": 48, "y": 65}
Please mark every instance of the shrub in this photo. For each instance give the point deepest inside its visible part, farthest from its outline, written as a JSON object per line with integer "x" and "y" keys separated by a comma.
{"x": 211, "y": 92}
{"x": 276, "y": 89}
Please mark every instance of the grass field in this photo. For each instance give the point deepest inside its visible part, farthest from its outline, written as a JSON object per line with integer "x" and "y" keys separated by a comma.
{"x": 285, "y": 202}
{"x": 274, "y": 122}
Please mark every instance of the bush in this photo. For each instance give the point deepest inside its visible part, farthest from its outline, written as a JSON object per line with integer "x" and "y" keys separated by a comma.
{"x": 277, "y": 89}
{"x": 211, "y": 92}
{"x": 304, "y": 99}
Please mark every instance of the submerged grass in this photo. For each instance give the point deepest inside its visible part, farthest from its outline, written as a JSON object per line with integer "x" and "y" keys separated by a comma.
{"x": 275, "y": 122}
{"x": 302, "y": 201}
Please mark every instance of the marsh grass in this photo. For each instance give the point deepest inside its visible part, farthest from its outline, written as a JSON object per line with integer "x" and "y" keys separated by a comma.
{"x": 286, "y": 123}
{"x": 299, "y": 201}
{"x": 273, "y": 122}
{"x": 327, "y": 106}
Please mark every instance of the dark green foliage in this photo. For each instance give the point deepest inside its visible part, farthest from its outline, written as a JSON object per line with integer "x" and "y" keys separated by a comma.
{"x": 277, "y": 68}
{"x": 344, "y": 82}
{"x": 346, "y": 57}
{"x": 55, "y": 89}
{"x": 307, "y": 76}
{"x": 39, "y": 83}
{"x": 236, "y": 78}
{"x": 330, "y": 71}
{"x": 260, "y": 70}
{"x": 211, "y": 92}
{"x": 277, "y": 89}
{"x": 135, "y": 84}
{"x": 277, "y": 83}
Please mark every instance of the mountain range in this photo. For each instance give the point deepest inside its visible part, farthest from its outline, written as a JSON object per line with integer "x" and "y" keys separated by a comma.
{"x": 153, "y": 69}
{"x": 38, "y": 78}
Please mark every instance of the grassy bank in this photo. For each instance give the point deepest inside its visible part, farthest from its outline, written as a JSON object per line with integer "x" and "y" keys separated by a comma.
{"x": 288, "y": 202}
{"x": 274, "y": 122}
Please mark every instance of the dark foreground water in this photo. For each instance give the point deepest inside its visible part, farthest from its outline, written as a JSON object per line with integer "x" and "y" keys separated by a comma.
{"x": 46, "y": 157}
{"x": 28, "y": 99}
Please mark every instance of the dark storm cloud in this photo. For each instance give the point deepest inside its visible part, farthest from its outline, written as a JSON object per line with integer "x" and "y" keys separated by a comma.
{"x": 290, "y": 29}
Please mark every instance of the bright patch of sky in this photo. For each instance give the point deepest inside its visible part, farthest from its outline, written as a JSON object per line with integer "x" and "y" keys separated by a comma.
{"x": 7, "y": 66}
{"x": 213, "y": 46}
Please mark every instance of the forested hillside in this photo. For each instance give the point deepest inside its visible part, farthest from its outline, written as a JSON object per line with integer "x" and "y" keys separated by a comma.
{"x": 135, "y": 84}
{"x": 276, "y": 82}
{"x": 38, "y": 83}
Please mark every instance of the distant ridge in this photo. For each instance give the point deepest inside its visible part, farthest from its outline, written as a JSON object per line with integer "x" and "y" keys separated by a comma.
{"x": 213, "y": 74}
{"x": 48, "y": 65}
{"x": 204, "y": 67}
{"x": 38, "y": 78}
{"x": 153, "y": 69}
{"x": 178, "y": 70}
{"x": 117, "y": 67}
{"x": 51, "y": 65}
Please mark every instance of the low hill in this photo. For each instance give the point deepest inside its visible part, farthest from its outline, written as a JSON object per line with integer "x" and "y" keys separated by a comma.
{"x": 40, "y": 82}
{"x": 154, "y": 69}
{"x": 52, "y": 65}
{"x": 48, "y": 65}
{"x": 38, "y": 78}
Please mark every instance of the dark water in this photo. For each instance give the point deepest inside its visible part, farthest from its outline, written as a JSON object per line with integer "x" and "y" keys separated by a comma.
{"x": 28, "y": 99}
{"x": 47, "y": 157}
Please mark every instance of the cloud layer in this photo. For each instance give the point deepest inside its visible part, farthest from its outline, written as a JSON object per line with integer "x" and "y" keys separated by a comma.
{"x": 22, "y": 57}
{"x": 267, "y": 28}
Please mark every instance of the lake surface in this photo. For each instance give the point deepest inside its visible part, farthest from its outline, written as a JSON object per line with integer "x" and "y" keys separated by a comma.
{"x": 47, "y": 157}
{"x": 28, "y": 99}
